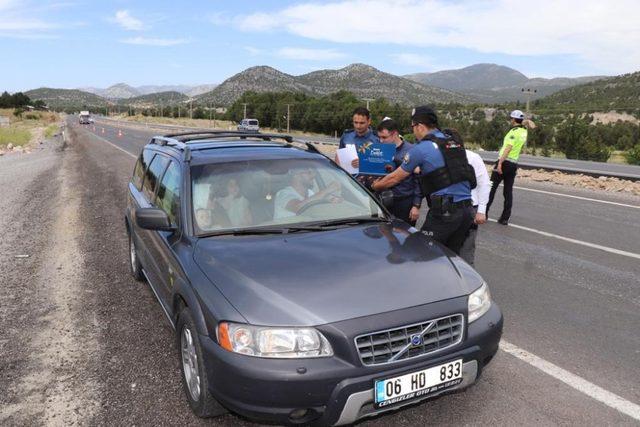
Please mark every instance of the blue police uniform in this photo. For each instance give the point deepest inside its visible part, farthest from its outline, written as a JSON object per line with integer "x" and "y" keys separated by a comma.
{"x": 407, "y": 193}
{"x": 449, "y": 220}
{"x": 351, "y": 137}
{"x": 427, "y": 155}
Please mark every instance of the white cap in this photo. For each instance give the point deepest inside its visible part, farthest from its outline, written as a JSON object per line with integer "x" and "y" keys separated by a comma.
{"x": 386, "y": 118}
{"x": 516, "y": 114}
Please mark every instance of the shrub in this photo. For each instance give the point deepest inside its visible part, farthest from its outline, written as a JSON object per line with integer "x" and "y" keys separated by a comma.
{"x": 633, "y": 155}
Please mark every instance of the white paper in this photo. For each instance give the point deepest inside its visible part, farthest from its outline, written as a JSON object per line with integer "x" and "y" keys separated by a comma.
{"x": 346, "y": 155}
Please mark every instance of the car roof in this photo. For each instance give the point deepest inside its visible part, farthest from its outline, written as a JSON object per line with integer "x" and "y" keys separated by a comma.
{"x": 225, "y": 146}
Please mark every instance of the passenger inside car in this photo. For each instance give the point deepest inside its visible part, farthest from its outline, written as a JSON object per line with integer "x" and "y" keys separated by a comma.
{"x": 236, "y": 205}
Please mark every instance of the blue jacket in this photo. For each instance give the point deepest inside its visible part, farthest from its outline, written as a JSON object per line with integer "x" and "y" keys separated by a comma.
{"x": 427, "y": 155}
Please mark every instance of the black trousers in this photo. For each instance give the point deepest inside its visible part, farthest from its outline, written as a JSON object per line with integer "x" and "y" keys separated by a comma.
{"x": 509, "y": 170}
{"x": 402, "y": 207}
{"x": 450, "y": 230}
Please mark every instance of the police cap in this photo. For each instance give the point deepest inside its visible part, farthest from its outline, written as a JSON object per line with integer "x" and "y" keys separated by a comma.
{"x": 425, "y": 115}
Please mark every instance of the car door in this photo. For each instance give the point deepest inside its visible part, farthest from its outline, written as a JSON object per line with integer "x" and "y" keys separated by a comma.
{"x": 163, "y": 242}
{"x": 149, "y": 255}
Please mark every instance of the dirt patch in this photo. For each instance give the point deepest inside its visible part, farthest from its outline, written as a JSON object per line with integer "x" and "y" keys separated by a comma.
{"x": 53, "y": 383}
{"x": 602, "y": 183}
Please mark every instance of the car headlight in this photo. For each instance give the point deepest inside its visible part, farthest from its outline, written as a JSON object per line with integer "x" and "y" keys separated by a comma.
{"x": 479, "y": 302}
{"x": 275, "y": 342}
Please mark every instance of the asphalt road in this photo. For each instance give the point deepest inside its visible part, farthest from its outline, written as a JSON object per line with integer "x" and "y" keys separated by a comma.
{"x": 571, "y": 351}
{"x": 528, "y": 161}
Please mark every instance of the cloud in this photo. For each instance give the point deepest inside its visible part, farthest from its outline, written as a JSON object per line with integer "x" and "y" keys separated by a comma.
{"x": 128, "y": 22}
{"x": 252, "y": 50}
{"x": 605, "y": 34}
{"x": 309, "y": 54}
{"x": 20, "y": 20}
{"x": 148, "y": 41}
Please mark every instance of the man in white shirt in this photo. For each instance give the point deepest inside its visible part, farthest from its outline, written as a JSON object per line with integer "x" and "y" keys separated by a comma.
{"x": 480, "y": 198}
{"x": 297, "y": 196}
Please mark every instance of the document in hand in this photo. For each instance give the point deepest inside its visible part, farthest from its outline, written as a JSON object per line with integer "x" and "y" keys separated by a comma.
{"x": 345, "y": 156}
{"x": 376, "y": 158}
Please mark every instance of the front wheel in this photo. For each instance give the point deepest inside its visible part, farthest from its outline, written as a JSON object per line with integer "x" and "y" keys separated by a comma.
{"x": 194, "y": 376}
{"x": 134, "y": 261}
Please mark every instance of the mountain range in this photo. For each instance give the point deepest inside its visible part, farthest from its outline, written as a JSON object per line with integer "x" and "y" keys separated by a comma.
{"x": 364, "y": 81}
{"x": 480, "y": 83}
{"x": 124, "y": 91}
{"x": 491, "y": 83}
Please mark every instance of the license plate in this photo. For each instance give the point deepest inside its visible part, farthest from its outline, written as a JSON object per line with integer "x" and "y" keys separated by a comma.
{"x": 417, "y": 384}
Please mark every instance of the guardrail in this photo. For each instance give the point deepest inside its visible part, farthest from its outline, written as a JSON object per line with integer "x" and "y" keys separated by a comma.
{"x": 598, "y": 168}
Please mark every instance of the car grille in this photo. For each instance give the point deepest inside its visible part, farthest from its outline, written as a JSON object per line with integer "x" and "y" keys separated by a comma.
{"x": 393, "y": 345}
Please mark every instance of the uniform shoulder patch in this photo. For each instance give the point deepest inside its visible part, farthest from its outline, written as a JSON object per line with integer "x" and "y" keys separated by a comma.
{"x": 406, "y": 158}
{"x": 435, "y": 146}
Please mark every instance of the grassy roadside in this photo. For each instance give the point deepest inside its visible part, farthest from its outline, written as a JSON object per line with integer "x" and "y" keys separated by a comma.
{"x": 25, "y": 129}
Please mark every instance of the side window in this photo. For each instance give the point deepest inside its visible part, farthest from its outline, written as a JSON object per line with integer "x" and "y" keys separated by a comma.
{"x": 154, "y": 171}
{"x": 141, "y": 166}
{"x": 168, "y": 198}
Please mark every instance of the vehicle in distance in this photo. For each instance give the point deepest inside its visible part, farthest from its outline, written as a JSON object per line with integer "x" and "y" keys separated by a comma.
{"x": 249, "y": 125}
{"x": 84, "y": 118}
{"x": 295, "y": 296}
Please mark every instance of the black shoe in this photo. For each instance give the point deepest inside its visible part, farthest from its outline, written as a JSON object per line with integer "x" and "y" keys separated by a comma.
{"x": 503, "y": 221}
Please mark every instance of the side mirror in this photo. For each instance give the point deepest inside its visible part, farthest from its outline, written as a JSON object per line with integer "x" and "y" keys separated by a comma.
{"x": 153, "y": 219}
{"x": 386, "y": 197}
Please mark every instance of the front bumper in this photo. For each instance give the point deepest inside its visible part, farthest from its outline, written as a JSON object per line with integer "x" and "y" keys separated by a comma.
{"x": 335, "y": 390}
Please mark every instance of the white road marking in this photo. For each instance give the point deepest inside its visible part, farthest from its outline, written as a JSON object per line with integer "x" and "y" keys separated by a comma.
{"x": 576, "y": 241}
{"x": 595, "y": 392}
{"x": 114, "y": 145}
{"x": 577, "y": 197}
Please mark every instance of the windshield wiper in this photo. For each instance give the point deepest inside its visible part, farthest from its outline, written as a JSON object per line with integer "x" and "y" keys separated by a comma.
{"x": 258, "y": 231}
{"x": 352, "y": 221}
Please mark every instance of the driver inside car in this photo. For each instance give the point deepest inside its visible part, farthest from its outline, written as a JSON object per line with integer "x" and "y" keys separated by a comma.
{"x": 299, "y": 194}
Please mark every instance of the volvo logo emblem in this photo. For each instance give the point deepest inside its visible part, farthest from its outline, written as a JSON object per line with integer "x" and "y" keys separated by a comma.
{"x": 416, "y": 339}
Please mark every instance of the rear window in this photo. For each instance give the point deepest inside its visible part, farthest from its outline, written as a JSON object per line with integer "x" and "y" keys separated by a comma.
{"x": 158, "y": 165}
{"x": 253, "y": 122}
{"x": 141, "y": 166}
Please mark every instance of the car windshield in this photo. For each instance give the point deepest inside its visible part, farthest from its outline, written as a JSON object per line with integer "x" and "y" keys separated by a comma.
{"x": 281, "y": 193}
{"x": 253, "y": 122}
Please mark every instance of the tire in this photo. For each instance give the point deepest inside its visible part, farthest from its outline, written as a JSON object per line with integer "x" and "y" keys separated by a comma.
{"x": 195, "y": 381}
{"x": 134, "y": 262}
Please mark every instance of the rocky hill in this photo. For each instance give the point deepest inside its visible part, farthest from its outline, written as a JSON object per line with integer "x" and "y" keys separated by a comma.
{"x": 67, "y": 98}
{"x": 493, "y": 83}
{"x": 621, "y": 93}
{"x": 362, "y": 80}
{"x": 154, "y": 99}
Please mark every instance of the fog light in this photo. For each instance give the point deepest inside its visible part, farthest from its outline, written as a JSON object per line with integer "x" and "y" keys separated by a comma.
{"x": 296, "y": 414}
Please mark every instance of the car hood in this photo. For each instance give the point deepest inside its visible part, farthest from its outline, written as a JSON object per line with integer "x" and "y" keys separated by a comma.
{"x": 314, "y": 278}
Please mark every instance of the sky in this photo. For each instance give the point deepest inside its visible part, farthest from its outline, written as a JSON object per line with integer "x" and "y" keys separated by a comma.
{"x": 71, "y": 44}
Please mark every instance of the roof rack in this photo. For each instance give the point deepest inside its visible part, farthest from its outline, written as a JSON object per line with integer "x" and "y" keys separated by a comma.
{"x": 181, "y": 140}
{"x": 207, "y": 134}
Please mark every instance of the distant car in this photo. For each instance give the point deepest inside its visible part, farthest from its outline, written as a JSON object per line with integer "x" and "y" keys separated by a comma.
{"x": 295, "y": 297}
{"x": 249, "y": 125}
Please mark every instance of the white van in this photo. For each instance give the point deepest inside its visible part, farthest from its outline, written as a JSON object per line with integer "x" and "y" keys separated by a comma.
{"x": 249, "y": 125}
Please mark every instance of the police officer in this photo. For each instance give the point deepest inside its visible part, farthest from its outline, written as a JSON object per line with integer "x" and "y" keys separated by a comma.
{"x": 360, "y": 133}
{"x": 507, "y": 164}
{"x": 407, "y": 195}
{"x": 446, "y": 184}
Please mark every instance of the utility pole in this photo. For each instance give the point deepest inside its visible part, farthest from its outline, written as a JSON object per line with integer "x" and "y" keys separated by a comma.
{"x": 179, "y": 115}
{"x": 288, "y": 115}
{"x": 245, "y": 111}
{"x": 368, "y": 99}
{"x": 528, "y": 92}
{"x": 214, "y": 116}
{"x": 209, "y": 115}
{"x": 191, "y": 108}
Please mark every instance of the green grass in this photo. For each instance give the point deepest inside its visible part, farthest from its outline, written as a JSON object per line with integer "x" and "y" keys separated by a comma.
{"x": 14, "y": 136}
{"x": 50, "y": 131}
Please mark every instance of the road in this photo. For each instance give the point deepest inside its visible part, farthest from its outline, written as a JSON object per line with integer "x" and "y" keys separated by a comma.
{"x": 87, "y": 344}
{"x": 566, "y": 165}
